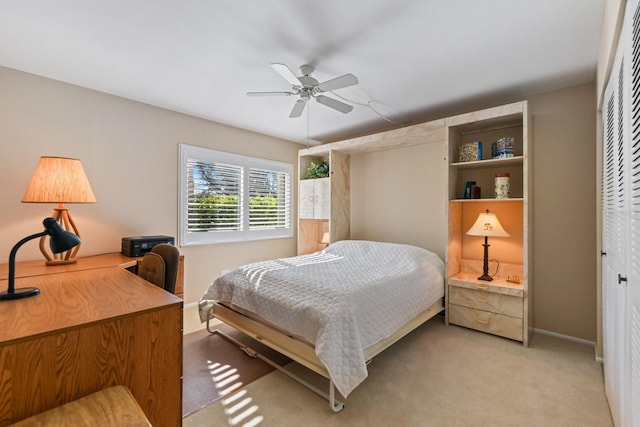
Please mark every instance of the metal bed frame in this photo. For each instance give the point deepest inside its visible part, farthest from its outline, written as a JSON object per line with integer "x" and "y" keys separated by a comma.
{"x": 301, "y": 351}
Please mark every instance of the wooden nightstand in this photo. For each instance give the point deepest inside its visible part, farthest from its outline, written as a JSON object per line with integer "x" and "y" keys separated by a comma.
{"x": 495, "y": 307}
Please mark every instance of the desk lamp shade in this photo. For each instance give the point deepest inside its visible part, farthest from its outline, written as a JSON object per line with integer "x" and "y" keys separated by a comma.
{"x": 60, "y": 241}
{"x": 59, "y": 180}
{"x": 487, "y": 225}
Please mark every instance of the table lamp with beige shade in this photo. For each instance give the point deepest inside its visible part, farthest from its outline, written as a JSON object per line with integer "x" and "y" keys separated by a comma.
{"x": 487, "y": 225}
{"x": 59, "y": 180}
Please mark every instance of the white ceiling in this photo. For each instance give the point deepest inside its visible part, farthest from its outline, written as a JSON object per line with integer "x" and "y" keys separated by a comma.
{"x": 414, "y": 59}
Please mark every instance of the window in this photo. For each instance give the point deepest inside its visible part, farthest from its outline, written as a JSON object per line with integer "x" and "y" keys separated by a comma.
{"x": 227, "y": 197}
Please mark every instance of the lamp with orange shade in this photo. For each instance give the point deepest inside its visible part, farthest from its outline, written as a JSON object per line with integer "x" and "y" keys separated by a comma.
{"x": 59, "y": 180}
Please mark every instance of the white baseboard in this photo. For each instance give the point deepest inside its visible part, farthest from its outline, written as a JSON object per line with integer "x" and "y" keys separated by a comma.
{"x": 566, "y": 337}
{"x": 191, "y": 318}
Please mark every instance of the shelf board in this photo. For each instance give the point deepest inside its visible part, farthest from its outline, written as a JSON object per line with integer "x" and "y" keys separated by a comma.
{"x": 490, "y": 163}
{"x": 510, "y": 199}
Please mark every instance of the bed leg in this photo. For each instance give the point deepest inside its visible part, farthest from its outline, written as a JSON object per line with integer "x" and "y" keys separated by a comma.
{"x": 211, "y": 331}
{"x": 336, "y": 405}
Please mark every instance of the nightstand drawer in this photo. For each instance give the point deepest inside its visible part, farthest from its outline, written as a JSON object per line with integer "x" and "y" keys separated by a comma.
{"x": 488, "y": 301}
{"x": 497, "y": 324}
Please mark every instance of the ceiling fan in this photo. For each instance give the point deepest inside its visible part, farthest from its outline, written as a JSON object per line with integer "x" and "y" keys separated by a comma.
{"x": 306, "y": 87}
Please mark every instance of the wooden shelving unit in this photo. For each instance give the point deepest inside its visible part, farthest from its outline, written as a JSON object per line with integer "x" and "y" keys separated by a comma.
{"x": 498, "y": 307}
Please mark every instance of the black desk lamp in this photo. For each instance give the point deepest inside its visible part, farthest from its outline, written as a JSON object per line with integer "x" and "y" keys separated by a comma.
{"x": 487, "y": 225}
{"x": 60, "y": 241}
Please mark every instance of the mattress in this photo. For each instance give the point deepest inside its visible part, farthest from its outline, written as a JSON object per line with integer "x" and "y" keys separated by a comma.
{"x": 342, "y": 299}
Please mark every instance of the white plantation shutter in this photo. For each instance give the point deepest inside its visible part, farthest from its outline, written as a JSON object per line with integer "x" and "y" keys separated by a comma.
{"x": 276, "y": 186}
{"x": 227, "y": 197}
{"x": 224, "y": 198}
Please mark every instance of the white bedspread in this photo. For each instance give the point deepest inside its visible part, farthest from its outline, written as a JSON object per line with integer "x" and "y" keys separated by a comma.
{"x": 344, "y": 298}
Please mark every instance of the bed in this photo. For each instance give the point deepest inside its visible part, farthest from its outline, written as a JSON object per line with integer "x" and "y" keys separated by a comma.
{"x": 333, "y": 310}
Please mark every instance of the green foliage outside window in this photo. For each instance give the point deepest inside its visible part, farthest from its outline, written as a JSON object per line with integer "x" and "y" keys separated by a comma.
{"x": 221, "y": 212}
{"x": 214, "y": 212}
{"x": 263, "y": 211}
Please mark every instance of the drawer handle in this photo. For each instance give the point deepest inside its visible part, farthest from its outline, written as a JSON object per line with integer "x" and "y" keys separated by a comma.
{"x": 484, "y": 322}
{"x": 484, "y": 288}
{"x": 483, "y": 299}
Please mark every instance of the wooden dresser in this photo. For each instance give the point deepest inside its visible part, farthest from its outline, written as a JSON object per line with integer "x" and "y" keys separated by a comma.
{"x": 94, "y": 325}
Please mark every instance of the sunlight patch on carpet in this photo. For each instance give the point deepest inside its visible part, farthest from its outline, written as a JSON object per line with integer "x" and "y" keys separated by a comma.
{"x": 238, "y": 406}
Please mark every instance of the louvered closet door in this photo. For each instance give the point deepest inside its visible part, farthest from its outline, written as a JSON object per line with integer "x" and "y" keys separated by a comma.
{"x": 632, "y": 361}
{"x": 613, "y": 302}
{"x": 621, "y": 227}
{"x": 614, "y": 201}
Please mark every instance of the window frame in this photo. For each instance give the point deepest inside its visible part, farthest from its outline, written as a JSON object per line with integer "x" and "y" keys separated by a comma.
{"x": 208, "y": 155}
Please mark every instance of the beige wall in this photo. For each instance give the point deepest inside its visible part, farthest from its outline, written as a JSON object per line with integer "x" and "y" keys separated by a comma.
{"x": 129, "y": 151}
{"x": 400, "y": 196}
{"x": 564, "y": 196}
{"x": 412, "y": 181}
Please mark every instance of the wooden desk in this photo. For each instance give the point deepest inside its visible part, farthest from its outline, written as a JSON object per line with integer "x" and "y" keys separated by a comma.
{"x": 116, "y": 259}
{"x": 90, "y": 328}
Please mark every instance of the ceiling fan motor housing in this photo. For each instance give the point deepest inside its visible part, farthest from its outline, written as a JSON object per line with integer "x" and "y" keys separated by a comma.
{"x": 308, "y": 82}
{"x": 306, "y": 70}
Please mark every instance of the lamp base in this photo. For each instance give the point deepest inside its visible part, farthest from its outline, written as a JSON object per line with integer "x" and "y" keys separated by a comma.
{"x": 19, "y": 293}
{"x": 485, "y": 277}
{"x": 62, "y": 215}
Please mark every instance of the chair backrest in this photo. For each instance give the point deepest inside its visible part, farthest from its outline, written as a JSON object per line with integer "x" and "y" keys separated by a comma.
{"x": 152, "y": 269}
{"x": 160, "y": 266}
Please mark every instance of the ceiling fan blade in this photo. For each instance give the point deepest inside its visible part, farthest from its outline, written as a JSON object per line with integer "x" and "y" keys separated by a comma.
{"x": 286, "y": 73}
{"x": 333, "y": 103}
{"x": 298, "y": 108}
{"x": 338, "y": 83}
{"x": 269, "y": 93}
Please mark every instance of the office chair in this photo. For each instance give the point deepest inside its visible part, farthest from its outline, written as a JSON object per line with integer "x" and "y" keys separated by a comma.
{"x": 160, "y": 266}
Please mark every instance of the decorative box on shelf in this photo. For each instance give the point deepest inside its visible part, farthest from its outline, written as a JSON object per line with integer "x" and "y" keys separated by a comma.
{"x": 470, "y": 152}
{"x": 502, "y": 148}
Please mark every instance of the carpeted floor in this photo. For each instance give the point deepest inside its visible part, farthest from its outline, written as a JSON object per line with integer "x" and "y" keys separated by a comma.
{"x": 209, "y": 360}
{"x": 437, "y": 376}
